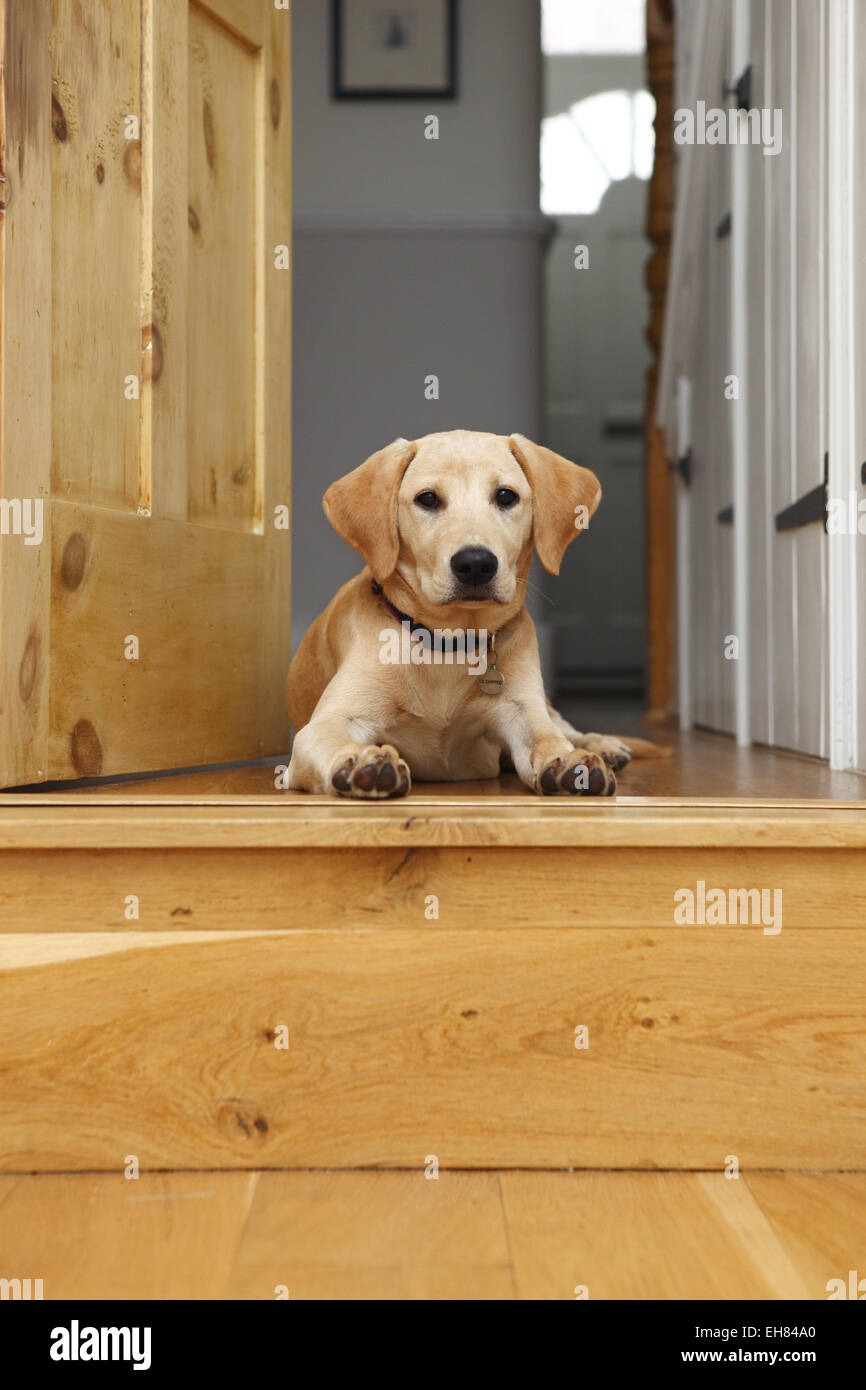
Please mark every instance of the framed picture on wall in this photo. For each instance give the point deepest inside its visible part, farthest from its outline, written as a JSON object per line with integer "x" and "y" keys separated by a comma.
{"x": 405, "y": 49}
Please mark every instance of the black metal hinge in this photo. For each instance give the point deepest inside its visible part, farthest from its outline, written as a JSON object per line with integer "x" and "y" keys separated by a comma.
{"x": 742, "y": 90}
{"x": 724, "y": 228}
{"x": 683, "y": 466}
{"x": 812, "y": 506}
{"x": 726, "y": 516}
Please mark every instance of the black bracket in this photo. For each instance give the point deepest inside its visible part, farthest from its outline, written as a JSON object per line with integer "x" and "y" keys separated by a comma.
{"x": 683, "y": 466}
{"x": 742, "y": 90}
{"x": 863, "y": 473}
{"x": 726, "y": 516}
{"x": 812, "y": 506}
{"x": 724, "y": 228}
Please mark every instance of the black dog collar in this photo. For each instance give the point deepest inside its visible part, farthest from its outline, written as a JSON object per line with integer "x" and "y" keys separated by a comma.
{"x": 437, "y": 644}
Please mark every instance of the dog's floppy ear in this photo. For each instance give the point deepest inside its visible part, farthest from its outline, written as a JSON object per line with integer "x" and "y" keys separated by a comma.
{"x": 564, "y": 497}
{"x": 362, "y": 507}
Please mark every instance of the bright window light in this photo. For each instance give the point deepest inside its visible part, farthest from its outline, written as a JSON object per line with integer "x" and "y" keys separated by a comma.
{"x": 644, "y": 134}
{"x": 593, "y": 26}
{"x": 599, "y": 141}
{"x": 572, "y": 179}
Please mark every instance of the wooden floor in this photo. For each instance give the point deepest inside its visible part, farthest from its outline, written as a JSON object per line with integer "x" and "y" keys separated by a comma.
{"x": 702, "y": 765}
{"x": 154, "y": 1037}
{"x": 400, "y": 1235}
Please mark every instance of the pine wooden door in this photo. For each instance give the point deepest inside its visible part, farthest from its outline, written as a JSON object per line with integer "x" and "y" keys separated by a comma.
{"x": 144, "y": 272}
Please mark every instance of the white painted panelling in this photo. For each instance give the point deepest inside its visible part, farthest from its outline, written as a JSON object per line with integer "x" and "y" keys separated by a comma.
{"x": 846, "y": 356}
{"x": 766, "y": 311}
{"x": 684, "y": 559}
{"x": 702, "y": 530}
{"x": 759, "y": 347}
{"x": 857, "y": 753}
{"x": 809, "y": 429}
{"x": 722, "y": 667}
{"x": 712, "y": 618}
{"x": 740, "y": 477}
{"x": 783, "y": 365}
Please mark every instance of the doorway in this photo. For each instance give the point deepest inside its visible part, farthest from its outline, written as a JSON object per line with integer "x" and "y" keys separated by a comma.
{"x": 596, "y": 156}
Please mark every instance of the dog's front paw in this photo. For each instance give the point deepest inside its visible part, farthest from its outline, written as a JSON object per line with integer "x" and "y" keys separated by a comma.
{"x": 582, "y": 773}
{"x": 372, "y": 774}
{"x": 615, "y": 753}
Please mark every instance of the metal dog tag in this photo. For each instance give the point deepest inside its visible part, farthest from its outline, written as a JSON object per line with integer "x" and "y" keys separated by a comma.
{"x": 493, "y": 681}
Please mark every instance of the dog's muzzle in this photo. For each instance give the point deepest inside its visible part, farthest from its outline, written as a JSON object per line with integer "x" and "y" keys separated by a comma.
{"x": 474, "y": 566}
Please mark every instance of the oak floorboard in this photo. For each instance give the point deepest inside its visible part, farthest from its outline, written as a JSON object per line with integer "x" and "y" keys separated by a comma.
{"x": 360, "y": 1235}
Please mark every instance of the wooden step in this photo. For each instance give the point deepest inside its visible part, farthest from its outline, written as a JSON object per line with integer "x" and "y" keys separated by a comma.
{"x": 412, "y": 1035}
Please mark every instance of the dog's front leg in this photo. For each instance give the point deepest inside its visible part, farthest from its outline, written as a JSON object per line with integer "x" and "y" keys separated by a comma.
{"x": 335, "y": 754}
{"x": 615, "y": 751}
{"x": 543, "y": 758}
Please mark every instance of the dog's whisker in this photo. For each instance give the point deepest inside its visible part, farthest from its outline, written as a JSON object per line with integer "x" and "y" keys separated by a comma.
{"x": 535, "y": 589}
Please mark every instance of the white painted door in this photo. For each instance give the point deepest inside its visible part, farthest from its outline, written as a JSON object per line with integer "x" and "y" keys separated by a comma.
{"x": 795, "y": 83}
{"x": 784, "y": 386}
{"x": 772, "y": 384}
{"x": 710, "y": 477}
{"x": 846, "y": 315}
{"x": 757, "y": 389}
{"x": 858, "y": 220}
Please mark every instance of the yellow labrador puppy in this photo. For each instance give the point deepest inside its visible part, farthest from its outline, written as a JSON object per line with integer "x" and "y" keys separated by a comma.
{"x": 426, "y": 664}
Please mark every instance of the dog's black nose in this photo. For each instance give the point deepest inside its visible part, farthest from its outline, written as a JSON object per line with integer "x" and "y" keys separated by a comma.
{"x": 474, "y": 564}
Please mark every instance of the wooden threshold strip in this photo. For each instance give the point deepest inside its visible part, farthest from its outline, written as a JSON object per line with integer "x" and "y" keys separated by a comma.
{"x": 289, "y": 821}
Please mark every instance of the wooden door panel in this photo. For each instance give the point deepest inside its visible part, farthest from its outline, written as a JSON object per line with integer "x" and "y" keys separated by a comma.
{"x": 25, "y": 379}
{"x": 165, "y": 251}
{"x": 222, "y": 425}
{"x": 197, "y": 644}
{"x": 157, "y": 260}
{"x": 96, "y": 251}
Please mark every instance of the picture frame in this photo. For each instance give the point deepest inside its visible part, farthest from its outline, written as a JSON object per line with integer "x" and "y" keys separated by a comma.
{"x": 394, "y": 50}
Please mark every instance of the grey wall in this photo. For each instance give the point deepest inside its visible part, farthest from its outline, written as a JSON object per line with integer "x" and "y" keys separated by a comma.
{"x": 362, "y": 156}
{"x": 411, "y": 257}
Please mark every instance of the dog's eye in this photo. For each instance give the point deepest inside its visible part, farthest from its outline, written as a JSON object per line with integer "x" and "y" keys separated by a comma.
{"x": 505, "y": 498}
{"x": 428, "y": 500}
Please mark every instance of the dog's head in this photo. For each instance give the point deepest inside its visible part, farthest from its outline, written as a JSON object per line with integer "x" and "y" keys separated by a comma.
{"x": 455, "y": 515}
